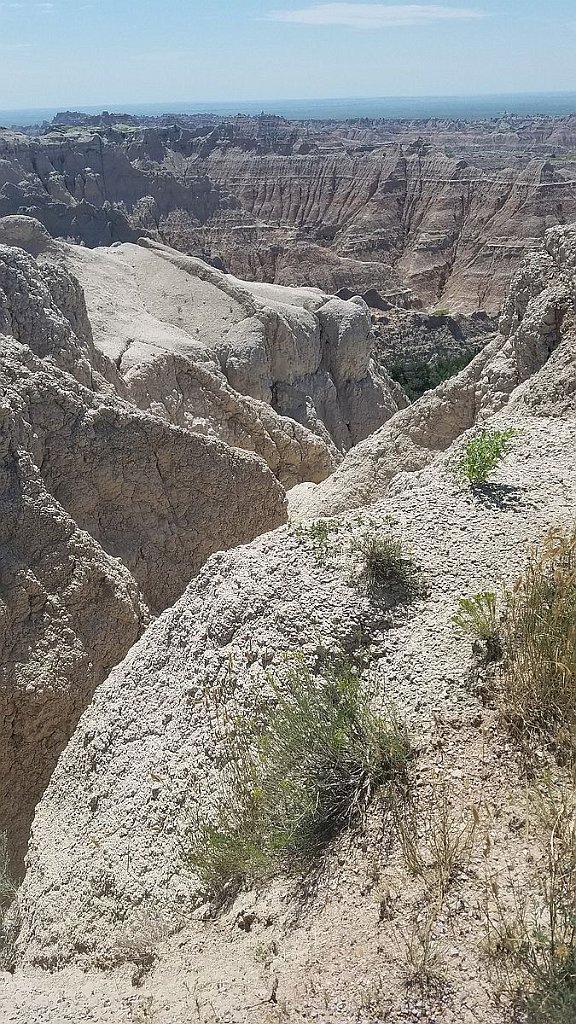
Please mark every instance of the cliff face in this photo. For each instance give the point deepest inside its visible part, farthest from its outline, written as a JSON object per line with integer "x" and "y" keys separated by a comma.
{"x": 299, "y": 206}
{"x": 148, "y": 419}
{"x": 105, "y": 510}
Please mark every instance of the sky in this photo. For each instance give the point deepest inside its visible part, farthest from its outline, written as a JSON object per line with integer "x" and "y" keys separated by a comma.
{"x": 74, "y": 53}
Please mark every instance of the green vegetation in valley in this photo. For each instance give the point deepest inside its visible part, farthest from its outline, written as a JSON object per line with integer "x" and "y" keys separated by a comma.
{"x": 417, "y": 376}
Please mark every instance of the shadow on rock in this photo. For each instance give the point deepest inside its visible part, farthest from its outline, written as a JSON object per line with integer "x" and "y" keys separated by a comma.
{"x": 499, "y": 496}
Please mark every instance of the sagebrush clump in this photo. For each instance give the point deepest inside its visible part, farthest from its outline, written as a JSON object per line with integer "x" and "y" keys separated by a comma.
{"x": 309, "y": 772}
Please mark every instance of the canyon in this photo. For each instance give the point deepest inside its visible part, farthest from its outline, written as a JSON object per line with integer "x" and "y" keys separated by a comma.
{"x": 437, "y": 213}
{"x": 236, "y": 357}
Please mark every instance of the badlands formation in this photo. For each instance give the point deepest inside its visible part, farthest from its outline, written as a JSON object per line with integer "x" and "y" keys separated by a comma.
{"x": 158, "y": 418}
{"x": 438, "y": 212}
{"x": 150, "y": 418}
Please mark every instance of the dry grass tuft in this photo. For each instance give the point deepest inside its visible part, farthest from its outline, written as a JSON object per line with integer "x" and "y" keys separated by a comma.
{"x": 436, "y": 839}
{"x": 7, "y": 896}
{"x": 535, "y": 935}
{"x": 309, "y": 772}
{"x": 385, "y": 564}
{"x": 538, "y": 631}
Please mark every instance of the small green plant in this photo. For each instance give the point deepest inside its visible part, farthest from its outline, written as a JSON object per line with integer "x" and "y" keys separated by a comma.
{"x": 318, "y": 532}
{"x": 384, "y": 563}
{"x": 483, "y": 454}
{"x": 477, "y": 615}
{"x": 309, "y": 773}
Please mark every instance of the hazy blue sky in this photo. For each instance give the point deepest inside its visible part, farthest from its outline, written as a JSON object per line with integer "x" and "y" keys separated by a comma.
{"x": 74, "y": 52}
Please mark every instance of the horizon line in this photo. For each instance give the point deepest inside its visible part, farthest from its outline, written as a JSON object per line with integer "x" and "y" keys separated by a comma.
{"x": 76, "y": 107}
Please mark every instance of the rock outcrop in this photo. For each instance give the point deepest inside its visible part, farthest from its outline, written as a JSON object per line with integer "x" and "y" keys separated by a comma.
{"x": 144, "y": 412}
{"x": 248, "y": 607}
{"x": 264, "y": 349}
{"x": 105, "y": 510}
{"x": 529, "y": 363}
{"x": 411, "y": 337}
{"x": 68, "y": 613}
{"x": 108, "y": 882}
{"x": 237, "y": 620}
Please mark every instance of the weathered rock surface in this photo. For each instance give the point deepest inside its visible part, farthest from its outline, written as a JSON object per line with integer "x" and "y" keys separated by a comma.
{"x": 530, "y": 363}
{"x": 248, "y": 607}
{"x": 135, "y": 413}
{"x": 86, "y": 480}
{"x": 306, "y": 357}
{"x": 68, "y": 613}
{"x": 410, "y": 336}
{"x": 107, "y": 883}
{"x": 244, "y": 610}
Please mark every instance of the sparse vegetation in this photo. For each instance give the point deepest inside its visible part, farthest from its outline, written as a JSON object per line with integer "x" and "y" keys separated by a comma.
{"x": 7, "y": 892}
{"x": 436, "y": 840}
{"x": 536, "y": 938}
{"x": 424, "y": 952}
{"x": 477, "y": 616}
{"x": 309, "y": 773}
{"x": 483, "y": 454}
{"x": 385, "y": 563}
{"x": 538, "y": 679}
{"x": 319, "y": 533}
{"x": 437, "y": 837}
{"x": 373, "y": 1002}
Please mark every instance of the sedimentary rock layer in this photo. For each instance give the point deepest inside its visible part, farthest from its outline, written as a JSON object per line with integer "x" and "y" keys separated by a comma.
{"x": 331, "y": 206}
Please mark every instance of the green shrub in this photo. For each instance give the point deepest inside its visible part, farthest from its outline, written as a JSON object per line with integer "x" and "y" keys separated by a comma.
{"x": 309, "y": 772}
{"x": 484, "y": 453}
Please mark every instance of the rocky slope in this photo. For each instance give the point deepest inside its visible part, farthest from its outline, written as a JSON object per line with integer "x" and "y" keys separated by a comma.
{"x": 412, "y": 206}
{"x": 107, "y": 881}
{"x": 528, "y": 364}
{"x": 141, "y": 419}
{"x": 87, "y": 480}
